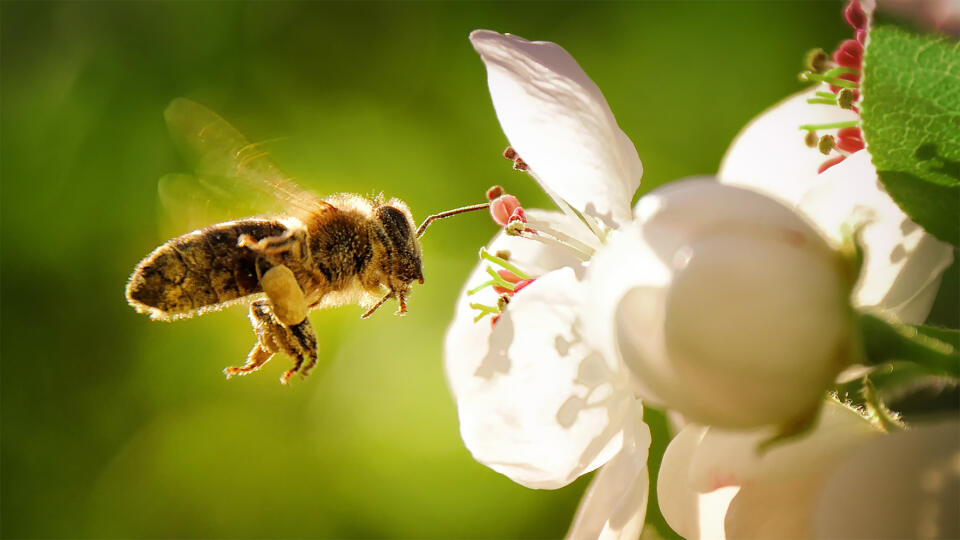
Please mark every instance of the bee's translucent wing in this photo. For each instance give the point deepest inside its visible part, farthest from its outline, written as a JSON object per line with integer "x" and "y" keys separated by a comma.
{"x": 190, "y": 202}
{"x": 230, "y": 171}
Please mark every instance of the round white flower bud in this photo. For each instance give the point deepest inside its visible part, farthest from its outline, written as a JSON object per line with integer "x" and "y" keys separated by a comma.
{"x": 745, "y": 318}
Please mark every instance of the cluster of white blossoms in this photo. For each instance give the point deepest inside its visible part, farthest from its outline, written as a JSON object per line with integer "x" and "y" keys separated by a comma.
{"x": 730, "y": 300}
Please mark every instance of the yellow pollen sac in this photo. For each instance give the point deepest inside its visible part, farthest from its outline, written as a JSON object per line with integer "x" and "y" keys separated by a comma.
{"x": 281, "y": 287}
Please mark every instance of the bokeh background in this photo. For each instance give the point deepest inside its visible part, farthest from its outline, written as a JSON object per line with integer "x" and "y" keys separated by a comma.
{"x": 116, "y": 426}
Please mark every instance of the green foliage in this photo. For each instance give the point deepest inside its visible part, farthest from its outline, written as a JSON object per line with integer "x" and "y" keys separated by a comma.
{"x": 911, "y": 123}
{"x": 934, "y": 349}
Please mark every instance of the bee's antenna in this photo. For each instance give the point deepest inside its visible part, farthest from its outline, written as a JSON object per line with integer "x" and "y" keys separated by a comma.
{"x": 423, "y": 226}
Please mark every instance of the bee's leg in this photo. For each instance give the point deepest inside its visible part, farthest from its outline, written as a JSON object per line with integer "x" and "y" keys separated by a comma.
{"x": 258, "y": 356}
{"x": 300, "y": 343}
{"x": 297, "y": 341}
{"x": 273, "y": 245}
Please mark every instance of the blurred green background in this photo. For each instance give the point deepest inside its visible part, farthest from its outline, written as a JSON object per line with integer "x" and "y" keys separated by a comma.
{"x": 115, "y": 426}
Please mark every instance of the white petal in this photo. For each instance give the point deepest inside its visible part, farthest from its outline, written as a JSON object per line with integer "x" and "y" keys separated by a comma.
{"x": 902, "y": 263}
{"x": 692, "y": 513}
{"x": 675, "y": 492}
{"x": 907, "y": 486}
{"x": 542, "y": 407}
{"x": 769, "y": 155}
{"x": 559, "y": 123}
{"x": 731, "y": 458}
{"x": 773, "y": 492}
{"x": 615, "y": 505}
{"x": 466, "y": 342}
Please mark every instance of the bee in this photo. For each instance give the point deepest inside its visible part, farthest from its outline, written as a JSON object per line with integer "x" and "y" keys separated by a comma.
{"x": 323, "y": 252}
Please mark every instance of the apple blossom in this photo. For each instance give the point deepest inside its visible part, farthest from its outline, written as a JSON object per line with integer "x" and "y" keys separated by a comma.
{"x": 536, "y": 399}
{"x": 714, "y": 484}
{"x": 740, "y": 315}
{"x": 747, "y": 304}
{"x": 902, "y": 263}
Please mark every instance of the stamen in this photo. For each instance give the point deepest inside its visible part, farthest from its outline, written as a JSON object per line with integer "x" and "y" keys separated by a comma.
{"x": 551, "y": 240}
{"x": 546, "y": 228}
{"x": 834, "y": 125}
{"x": 484, "y": 254}
{"x": 817, "y": 61}
{"x": 484, "y": 311}
{"x": 855, "y": 15}
{"x": 811, "y": 139}
{"x": 502, "y": 208}
{"x": 480, "y": 287}
{"x": 841, "y": 80}
{"x": 830, "y": 163}
{"x": 494, "y": 192}
{"x": 498, "y": 280}
{"x": 845, "y": 98}
{"x": 826, "y": 143}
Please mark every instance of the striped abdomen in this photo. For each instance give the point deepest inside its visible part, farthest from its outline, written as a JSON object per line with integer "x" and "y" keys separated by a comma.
{"x": 199, "y": 270}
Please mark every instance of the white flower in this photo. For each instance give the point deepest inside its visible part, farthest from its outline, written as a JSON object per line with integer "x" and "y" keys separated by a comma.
{"x": 844, "y": 479}
{"x": 537, "y": 400}
{"x": 736, "y": 312}
{"x": 902, "y": 263}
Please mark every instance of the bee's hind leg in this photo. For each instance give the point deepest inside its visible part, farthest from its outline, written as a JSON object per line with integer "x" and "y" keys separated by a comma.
{"x": 297, "y": 341}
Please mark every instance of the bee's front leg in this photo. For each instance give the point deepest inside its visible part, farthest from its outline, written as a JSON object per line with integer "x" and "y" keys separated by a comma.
{"x": 297, "y": 341}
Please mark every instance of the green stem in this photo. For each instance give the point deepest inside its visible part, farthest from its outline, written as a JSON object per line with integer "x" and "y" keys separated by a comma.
{"x": 480, "y": 287}
{"x": 499, "y": 280}
{"x": 484, "y": 254}
{"x": 834, "y": 125}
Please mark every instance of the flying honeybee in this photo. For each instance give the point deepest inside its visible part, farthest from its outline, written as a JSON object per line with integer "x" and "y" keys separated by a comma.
{"x": 325, "y": 252}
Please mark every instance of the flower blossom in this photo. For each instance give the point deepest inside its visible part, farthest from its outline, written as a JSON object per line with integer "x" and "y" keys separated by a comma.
{"x": 545, "y": 392}
{"x": 537, "y": 400}
{"x": 902, "y": 263}
{"x": 844, "y": 479}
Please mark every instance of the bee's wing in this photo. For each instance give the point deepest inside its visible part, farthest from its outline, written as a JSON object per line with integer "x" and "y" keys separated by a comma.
{"x": 232, "y": 175}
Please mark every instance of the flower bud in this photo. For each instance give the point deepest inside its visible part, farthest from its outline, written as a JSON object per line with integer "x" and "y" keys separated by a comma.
{"x": 744, "y": 319}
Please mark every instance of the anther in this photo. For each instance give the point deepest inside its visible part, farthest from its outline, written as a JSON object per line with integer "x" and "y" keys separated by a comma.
{"x": 849, "y": 54}
{"x": 826, "y": 144}
{"x": 502, "y": 208}
{"x": 494, "y": 192}
{"x": 830, "y": 163}
{"x": 811, "y": 139}
{"x": 519, "y": 165}
{"x": 510, "y": 153}
{"x": 855, "y": 15}
{"x": 514, "y": 228}
{"x": 503, "y": 254}
{"x": 845, "y": 98}
{"x": 817, "y": 61}
{"x": 502, "y": 301}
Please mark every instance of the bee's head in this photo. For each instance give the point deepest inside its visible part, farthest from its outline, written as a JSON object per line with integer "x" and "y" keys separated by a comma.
{"x": 401, "y": 241}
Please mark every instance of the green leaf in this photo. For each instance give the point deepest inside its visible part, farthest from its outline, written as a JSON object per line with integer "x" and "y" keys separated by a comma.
{"x": 911, "y": 124}
{"x": 935, "y": 349}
